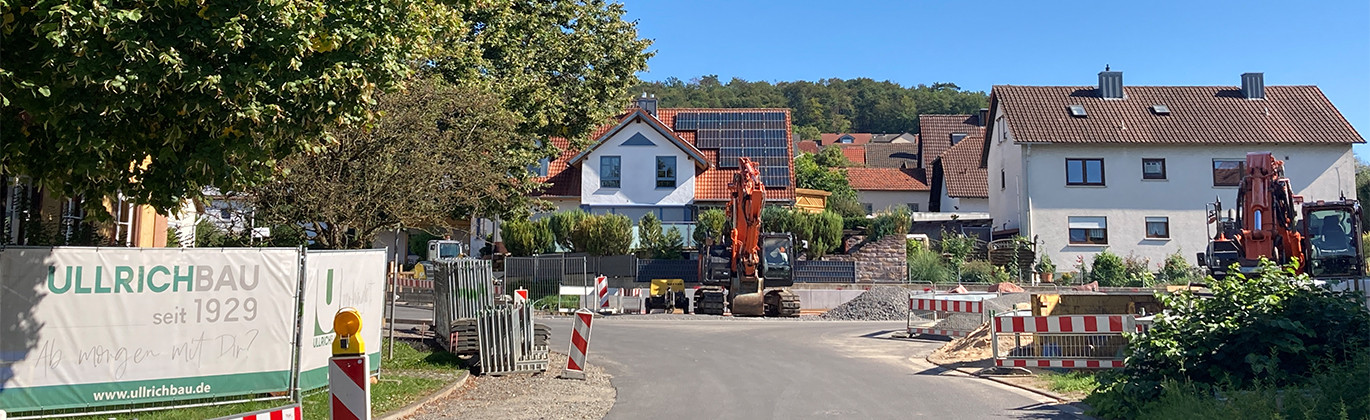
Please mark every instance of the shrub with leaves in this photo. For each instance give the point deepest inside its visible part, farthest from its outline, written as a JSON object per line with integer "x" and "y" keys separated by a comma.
{"x": 926, "y": 265}
{"x": 561, "y": 223}
{"x": 889, "y": 222}
{"x": 1176, "y": 270}
{"x": 1273, "y": 328}
{"x": 710, "y": 224}
{"x": 1108, "y": 270}
{"x": 654, "y": 243}
{"x": 980, "y": 271}
{"x": 524, "y": 237}
{"x": 603, "y": 234}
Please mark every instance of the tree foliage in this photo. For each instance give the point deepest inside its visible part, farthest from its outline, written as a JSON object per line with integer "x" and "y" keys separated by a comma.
{"x": 1108, "y": 270}
{"x": 435, "y": 150}
{"x": 710, "y": 224}
{"x": 156, "y": 100}
{"x": 603, "y": 234}
{"x": 827, "y": 106}
{"x": 821, "y": 231}
{"x": 526, "y": 238}
{"x": 561, "y": 223}
{"x": 808, "y": 173}
{"x": 654, "y": 243}
{"x": 1274, "y": 328}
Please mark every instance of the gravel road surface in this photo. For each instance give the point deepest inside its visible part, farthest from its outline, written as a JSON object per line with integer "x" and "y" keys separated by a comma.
{"x": 525, "y": 396}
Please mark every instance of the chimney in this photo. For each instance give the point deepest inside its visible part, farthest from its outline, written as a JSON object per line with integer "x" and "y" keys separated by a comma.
{"x": 1110, "y": 84}
{"x": 1253, "y": 85}
{"x": 983, "y": 117}
{"x": 647, "y": 103}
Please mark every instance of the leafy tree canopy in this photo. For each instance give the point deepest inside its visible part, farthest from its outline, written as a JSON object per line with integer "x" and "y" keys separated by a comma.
{"x": 825, "y": 106}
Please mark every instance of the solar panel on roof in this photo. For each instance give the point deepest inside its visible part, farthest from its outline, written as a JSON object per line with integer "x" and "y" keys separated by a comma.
{"x": 1077, "y": 110}
{"x": 759, "y": 135}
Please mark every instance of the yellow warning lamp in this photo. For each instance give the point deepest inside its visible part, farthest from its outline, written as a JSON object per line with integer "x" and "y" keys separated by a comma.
{"x": 347, "y": 323}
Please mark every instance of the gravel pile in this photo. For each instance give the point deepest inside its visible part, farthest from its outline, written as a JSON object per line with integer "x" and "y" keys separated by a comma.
{"x": 529, "y": 396}
{"x": 880, "y": 303}
{"x": 969, "y": 322}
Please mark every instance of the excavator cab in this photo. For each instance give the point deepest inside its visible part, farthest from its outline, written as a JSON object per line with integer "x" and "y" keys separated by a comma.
{"x": 1332, "y": 240}
{"x": 777, "y": 257}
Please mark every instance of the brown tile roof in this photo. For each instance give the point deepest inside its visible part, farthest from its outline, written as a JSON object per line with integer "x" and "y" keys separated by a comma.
{"x": 892, "y": 155}
{"x": 934, "y": 133}
{"x": 886, "y": 179}
{"x": 854, "y": 152}
{"x": 710, "y": 184}
{"x": 857, "y": 138}
{"x": 1198, "y": 114}
{"x": 808, "y": 146}
{"x": 962, "y": 172}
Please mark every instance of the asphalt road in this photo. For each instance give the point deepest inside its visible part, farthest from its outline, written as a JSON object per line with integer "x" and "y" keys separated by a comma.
{"x": 757, "y": 369}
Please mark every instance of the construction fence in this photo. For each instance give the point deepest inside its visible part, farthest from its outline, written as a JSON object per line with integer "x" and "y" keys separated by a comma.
{"x": 1065, "y": 341}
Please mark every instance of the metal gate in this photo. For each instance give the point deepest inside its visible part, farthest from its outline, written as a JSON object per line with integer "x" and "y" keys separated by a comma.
{"x": 507, "y": 342}
{"x": 461, "y": 288}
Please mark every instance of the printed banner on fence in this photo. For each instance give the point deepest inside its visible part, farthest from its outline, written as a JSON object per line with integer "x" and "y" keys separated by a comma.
{"x": 86, "y": 327}
{"x": 336, "y": 280}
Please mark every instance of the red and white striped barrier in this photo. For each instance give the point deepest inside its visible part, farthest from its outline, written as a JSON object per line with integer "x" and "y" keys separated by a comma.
{"x": 349, "y": 388}
{"x": 1059, "y": 363}
{"x": 520, "y": 296}
{"x": 580, "y": 345}
{"x": 602, "y": 291}
{"x": 287, "y": 412}
{"x": 930, "y": 331}
{"x": 946, "y": 305}
{"x": 1065, "y": 324}
{"x": 414, "y": 283}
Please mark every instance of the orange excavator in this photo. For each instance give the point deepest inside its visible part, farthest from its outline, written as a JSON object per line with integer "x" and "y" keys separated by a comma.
{"x": 737, "y": 272}
{"x": 1325, "y": 241}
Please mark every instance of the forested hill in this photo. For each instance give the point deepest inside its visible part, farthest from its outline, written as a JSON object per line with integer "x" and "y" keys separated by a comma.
{"x": 827, "y": 106}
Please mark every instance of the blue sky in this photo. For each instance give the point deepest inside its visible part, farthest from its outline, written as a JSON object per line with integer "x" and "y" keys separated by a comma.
{"x": 983, "y": 43}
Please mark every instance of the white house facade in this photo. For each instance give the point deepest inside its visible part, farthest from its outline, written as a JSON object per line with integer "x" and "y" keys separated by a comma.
{"x": 1138, "y": 180}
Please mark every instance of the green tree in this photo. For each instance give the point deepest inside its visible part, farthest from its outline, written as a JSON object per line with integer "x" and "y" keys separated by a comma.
{"x": 438, "y": 151}
{"x": 156, "y": 100}
{"x": 710, "y": 224}
{"x": 1108, "y": 270}
{"x": 832, "y": 157}
{"x": 525, "y": 238}
{"x": 1363, "y": 191}
{"x": 656, "y": 244}
{"x": 562, "y": 223}
{"x": 603, "y": 234}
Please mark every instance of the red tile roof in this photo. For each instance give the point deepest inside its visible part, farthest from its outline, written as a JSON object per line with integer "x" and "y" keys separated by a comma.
{"x": 808, "y": 146}
{"x": 710, "y": 184}
{"x": 1198, "y": 115}
{"x": 962, "y": 172}
{"x": 886, "y": 179}
{"x": 857, "y": 138}
{"x": 854, "y": 153}
{"x": 935, "y": 133}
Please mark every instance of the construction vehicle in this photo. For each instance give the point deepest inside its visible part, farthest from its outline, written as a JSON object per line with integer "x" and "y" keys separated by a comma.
{"x": 1324, "y": 240}
{"x": 746, "y": 272}
{"x": 667, "y": 295}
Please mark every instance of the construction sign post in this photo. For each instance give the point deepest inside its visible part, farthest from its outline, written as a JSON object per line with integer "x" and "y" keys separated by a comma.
{"x": 580, "y": 346}
{"x": 349, "y": 386}
{"x": 602, "y": 291}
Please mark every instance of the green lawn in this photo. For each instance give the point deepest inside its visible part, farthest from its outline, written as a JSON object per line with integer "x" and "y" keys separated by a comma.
{"x": 1071, "y": 382}
{"x": 411, "y": 375}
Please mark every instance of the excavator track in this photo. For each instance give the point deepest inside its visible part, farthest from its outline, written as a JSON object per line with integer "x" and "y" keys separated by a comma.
{"x": 710, "y": 300}
{"x": 782, "y": 303}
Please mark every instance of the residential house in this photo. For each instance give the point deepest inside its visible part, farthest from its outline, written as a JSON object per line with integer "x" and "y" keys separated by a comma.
{"x": 671, "y": 161}
{"x": 892, "y": 155}
{"x": 1132, "y": 168}
{"x": 895, "y": 138}
{"x": 829, "y": 139}
{"x": 33, "y": 216}
{"x": 878, "y": 189}
{"x": 950, "y": 150}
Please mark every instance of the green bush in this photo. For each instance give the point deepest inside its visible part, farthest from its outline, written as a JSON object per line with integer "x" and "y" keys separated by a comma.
{"x": 1044, "y": 265}
{"x": 524, "y": 237}
{"x": 826, "y": 233}
{"x": 911, "y": 246}
{"x": 654, "y": 244}
{"x": 1176, "y": 270}
{"x": 980, "y": 271}
{"x": 926, "y": 265}
{"x": 710, "y": 224}
{"x": 888, "y": 223}
{"x": 561, "y": 223}
{"x": 1108, "y": 270}
{"x": 958, "y": 245}
{"x": 603, "y": 234}
{"x": 1271, "y": 329}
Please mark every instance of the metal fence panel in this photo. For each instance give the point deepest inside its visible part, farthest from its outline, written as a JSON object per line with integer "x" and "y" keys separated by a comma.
{"x": 1069, "y": 341}
{"x": 687, "y": 270}
{"x": 461, "y": 288}
{"x": 807, "y": 271}
{"x": 507, "y": 342}
{"x": 544, "y": 274}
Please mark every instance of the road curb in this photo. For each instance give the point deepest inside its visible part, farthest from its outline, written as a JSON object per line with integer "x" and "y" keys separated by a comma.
{"x": 974, "y": 373}
{"x": 414, "y": 407}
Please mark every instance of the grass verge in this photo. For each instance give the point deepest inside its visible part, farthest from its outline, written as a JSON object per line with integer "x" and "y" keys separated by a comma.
{"x": 1071, "y": 382}
{"x": 413, "y": 373}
